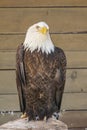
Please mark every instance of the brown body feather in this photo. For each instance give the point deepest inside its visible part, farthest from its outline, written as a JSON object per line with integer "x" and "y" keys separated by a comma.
{"x": 40, "y": 81}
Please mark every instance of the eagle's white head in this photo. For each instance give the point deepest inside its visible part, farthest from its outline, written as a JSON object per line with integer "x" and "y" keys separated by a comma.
{"x": 38, "y": 38}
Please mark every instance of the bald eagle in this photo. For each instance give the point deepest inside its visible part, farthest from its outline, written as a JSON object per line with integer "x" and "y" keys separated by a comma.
{"x": 40, "y": 73}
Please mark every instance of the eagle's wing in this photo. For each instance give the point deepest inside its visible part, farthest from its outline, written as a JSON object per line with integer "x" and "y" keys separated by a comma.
{"x": 20, "y": 76}
{"x": 61, "y": 81}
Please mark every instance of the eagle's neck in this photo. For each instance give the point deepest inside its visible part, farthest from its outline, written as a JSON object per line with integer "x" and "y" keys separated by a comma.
{"x": 38, "y": 42}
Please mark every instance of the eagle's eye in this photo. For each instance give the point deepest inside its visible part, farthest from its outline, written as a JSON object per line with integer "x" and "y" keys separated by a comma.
{"x": 37, "y": 27}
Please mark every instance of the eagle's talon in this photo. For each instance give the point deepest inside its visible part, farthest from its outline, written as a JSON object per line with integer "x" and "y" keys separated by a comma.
{"x": 56, "y": 115}
{"x": 37, "y": 118}
{"x": 46, "y": 118}
{"x": 24, "y": 115}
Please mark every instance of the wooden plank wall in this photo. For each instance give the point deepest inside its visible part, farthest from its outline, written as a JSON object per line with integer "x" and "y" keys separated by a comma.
{"x": 68, "y": 27}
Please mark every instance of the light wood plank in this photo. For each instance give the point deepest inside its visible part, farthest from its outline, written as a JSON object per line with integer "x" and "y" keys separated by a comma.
{"x": 10, "y": 42}
{"x": 30, "y": 3}
{"x": 8, "y": 82}
{"x": 59, "y": 19}
{"x": 75, "y": 101}
{"x": 75, "y": 119}
{"x": 9, "y": 103}
{"x": 8, "y": 60}
{"x": 67, "y": 42}
{"x": 76, "y": 81}
{"x": 70, "y": 42}
{"x": 75, "y": 59}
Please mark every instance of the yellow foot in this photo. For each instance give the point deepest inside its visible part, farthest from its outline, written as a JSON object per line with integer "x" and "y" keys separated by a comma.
{"x": 24, "y": 115}
{"x": 45, "y": 118}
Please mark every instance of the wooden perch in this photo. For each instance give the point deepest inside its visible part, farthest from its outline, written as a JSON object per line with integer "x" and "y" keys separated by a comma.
{"x": 23, "y": 124}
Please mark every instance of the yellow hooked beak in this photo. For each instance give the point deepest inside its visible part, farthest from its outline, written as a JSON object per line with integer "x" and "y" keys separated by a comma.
{"x": 43, "y": 30}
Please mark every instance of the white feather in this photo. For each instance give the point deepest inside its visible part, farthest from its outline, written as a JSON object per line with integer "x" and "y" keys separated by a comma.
{"x": 36, "y": 40}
